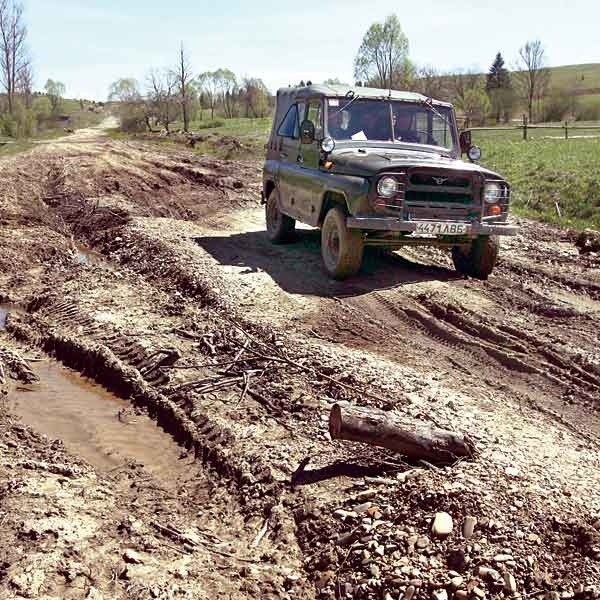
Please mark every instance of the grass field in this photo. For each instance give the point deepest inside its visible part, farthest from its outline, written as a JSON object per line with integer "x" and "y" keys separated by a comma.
{"x": 545, "y": 173}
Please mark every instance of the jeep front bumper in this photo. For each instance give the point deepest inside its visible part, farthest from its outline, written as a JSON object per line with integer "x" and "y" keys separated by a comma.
{"x": 392, "y": 224}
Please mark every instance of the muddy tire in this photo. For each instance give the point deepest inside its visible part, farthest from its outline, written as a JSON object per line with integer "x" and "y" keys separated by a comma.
{"x": 280, "y": 227}
{"x": 341, "y": 248}
{"x": 479, "y": 259}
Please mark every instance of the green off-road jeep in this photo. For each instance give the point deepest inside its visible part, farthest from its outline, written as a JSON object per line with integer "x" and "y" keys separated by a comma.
{"x": 380, "y": 168}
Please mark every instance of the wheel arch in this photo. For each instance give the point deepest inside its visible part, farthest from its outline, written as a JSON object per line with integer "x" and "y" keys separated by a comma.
{"x": 268, "y": 187}
{"x": 330, "y": 199}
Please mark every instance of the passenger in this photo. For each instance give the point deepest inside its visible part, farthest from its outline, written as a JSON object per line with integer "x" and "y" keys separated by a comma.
{"x": 403, "y": 130}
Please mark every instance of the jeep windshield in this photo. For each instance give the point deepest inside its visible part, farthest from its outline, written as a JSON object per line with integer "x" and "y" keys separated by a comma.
{"x": 390, "y": 121}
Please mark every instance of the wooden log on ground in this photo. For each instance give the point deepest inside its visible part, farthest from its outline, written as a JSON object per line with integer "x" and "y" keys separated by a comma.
{"x": 379, "y": 428}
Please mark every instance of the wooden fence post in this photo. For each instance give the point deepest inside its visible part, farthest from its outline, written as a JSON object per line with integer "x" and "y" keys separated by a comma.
{"x": 524, "y": 127}
{"x": 566, "y": 130}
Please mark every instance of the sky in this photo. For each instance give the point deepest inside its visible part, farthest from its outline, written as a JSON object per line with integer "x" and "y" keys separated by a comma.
{"x": 88, "y": 44}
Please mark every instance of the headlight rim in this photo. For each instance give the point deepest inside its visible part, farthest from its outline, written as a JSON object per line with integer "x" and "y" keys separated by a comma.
{"x": 393, "y": 191}
{"x": 498, "y": 196}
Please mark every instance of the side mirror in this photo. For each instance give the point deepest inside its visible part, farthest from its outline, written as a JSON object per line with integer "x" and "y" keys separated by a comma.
{"x": 465, "y": 141}
{"x": 307, "y": 132}
{"x": 467, "y": 147}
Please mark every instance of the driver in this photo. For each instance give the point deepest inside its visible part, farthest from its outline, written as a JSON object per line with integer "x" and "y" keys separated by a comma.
{"x": 403, "y": 130}
{"x": 335, "y": 124}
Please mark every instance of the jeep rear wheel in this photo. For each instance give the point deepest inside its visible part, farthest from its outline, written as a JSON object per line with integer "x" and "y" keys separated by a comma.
{"x": 479, "y": 259}
{"x": 280, "y": 227}
{"x": 341, "y": 248}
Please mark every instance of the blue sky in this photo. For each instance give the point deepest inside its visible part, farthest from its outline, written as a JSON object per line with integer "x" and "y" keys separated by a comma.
{"x": 87, "y": 44}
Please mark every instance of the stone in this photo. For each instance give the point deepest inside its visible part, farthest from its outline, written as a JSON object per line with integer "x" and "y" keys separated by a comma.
{"x": 440, "y": 594}
{"x": 410, "y": 592}
{"x": 422, "y": 542}
{"x": 469, "y": 526}
{"x": 374, "y": 570}
{"x": 477, "y": 591}
{"x": 510, "y": 584}
{"x": 596, "y": 525}
{"x": 442, "y": 524}
{"x": 132, "y": 557}
{"x": 456, "y": 582}
{"x": 361, "y": 508}
{"x": 489, "y": 573}
{"x": 500, "y": 558}
{"x": 461, "y": 595}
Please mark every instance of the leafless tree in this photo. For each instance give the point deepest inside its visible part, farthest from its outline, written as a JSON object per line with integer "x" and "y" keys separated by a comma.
{"x": 532, "y": 77}
{"x": 14, "y": 57}
{"x": 161, "y": 95}
{"x": 460, "y": 83}
{"x": 430, "y": 82}
{"x": 183, "y": 78}
{"x": 24, "y": 85}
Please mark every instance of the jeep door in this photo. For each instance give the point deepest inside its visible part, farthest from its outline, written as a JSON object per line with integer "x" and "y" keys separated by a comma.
{"x": 310, "y": 184}
{"x": 289, "y": 154}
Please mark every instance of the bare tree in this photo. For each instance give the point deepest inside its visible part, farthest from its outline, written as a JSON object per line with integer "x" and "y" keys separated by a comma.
{"x": 24, "y": 85}
{"x": 208, "y": 84}
{"x": 430, "y": 82}
{"x": 161, "y": 95}
{"x": 532, "y": 77}
{"x": 14, "y": 58}
{"x": 460, "y": 83}
{"x": 183, "y": 77}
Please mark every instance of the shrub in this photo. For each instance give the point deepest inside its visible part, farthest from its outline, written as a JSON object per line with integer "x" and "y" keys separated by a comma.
{"x": 588, "y": 112}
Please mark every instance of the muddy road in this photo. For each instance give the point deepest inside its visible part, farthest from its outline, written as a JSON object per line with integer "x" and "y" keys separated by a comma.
{"x": 167, "y": 376}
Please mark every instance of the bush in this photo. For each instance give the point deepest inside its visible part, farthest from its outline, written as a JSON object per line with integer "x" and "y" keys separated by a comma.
{"x": 559, "y": 105}
{"x": 588, "y": 112}
{"x": 21, "y": 124}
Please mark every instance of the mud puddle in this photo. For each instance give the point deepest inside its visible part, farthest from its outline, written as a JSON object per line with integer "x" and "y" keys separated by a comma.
{"x": 98, "y": 426}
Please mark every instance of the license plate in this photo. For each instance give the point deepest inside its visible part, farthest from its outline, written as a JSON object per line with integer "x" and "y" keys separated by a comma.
{"x": 442, "y": 228}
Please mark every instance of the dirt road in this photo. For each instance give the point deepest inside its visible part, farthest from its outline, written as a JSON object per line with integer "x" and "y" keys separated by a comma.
{"x": 147, "y": 271}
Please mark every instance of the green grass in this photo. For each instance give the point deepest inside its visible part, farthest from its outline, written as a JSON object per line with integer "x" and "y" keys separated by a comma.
{"x": 543, "y": 172}
{"x": 238, "y": 138}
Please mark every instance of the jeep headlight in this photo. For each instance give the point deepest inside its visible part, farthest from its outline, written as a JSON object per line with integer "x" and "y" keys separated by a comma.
{"x": 492, "y": 192}
{"x": 387, "y": 186}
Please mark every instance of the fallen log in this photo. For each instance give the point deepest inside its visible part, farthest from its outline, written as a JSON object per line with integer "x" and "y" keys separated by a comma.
{"x": 379, "y": 428}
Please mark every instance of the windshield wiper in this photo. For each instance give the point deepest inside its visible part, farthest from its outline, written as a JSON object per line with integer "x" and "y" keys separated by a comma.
{"x": 353, "y": 97}
{"x": 428, "y": 104}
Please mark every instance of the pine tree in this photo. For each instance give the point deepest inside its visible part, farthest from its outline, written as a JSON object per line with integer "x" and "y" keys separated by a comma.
{"x": 499, "y": 89}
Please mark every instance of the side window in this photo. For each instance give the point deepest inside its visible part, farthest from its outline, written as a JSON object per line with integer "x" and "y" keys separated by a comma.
{"x": 315, "y": 114}
{"x": 289, "y": 125}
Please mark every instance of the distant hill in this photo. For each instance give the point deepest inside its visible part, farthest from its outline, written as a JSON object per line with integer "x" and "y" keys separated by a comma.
{"x": 581, "y": 80}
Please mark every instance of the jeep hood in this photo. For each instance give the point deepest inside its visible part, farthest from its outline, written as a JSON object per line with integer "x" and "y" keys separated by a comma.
{"x": 367, "y": 162}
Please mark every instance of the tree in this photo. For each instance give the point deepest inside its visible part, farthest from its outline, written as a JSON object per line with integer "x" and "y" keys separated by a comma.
{"x": 226, "y": 83}
{"x": 430, "y": 82}
{"x": 475, "y": 105}
{"x": 183, "y": 77}
{"x": 55, "y": 90}
{"x": 161, "y": 96}
{"x": 208, "y": 84}
{"x": 383, "y": 54}
{"x": 132, "y": 109}
{"x": 532, "y": 77}
{"x": 499, "y": 88}
{"x": 255, "y": 97}
{"x": 14, "y": 57}
{"x": 460, "y": 83}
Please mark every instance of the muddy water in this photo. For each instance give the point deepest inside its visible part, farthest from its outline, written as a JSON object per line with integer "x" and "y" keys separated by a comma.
{"x": 96, "y": 425}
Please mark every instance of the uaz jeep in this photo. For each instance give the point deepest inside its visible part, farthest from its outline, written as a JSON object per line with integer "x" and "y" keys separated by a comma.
{"x": 380, "y": 168}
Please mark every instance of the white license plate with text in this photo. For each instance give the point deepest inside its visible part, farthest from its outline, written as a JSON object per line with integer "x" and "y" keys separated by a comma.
{"x": 442, "y": 228}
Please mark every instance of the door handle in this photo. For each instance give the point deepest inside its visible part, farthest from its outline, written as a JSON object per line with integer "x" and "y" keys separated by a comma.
{"x": 300, "y": 158}
{"x": 283, "y": 154}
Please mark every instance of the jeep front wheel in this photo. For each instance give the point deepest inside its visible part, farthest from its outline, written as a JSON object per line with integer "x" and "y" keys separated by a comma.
{"x": 479, "y": 259}
{"x": 341, "y": 248}
{"x": 280, "y": 227}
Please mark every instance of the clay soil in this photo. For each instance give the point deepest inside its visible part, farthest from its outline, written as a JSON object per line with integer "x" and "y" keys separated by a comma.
{"x": 168, "y": 373}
